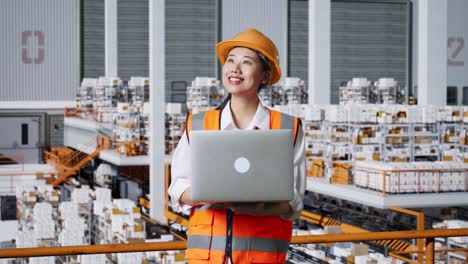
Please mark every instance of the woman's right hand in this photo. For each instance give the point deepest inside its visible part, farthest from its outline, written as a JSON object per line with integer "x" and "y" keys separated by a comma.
{"x": 186, "y": 197}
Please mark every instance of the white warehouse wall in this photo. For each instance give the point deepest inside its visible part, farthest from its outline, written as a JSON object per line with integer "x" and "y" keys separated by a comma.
{"x": 457, "y": 45}
{"x": 39, "y": 50}
{"x": 268, "y": 16}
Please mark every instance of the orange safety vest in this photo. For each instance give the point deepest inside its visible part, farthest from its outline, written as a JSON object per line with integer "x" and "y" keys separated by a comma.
{"x": 216, "y": 232}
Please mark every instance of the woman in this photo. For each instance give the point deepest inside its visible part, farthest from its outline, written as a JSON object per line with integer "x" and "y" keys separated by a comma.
{"x": 240, "y": 233}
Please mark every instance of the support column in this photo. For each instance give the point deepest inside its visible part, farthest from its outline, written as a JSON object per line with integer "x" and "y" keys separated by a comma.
{"x": 319, "y": 51}
{"x": 432, "y": 52}
{"x": 429, "y": 250}
{"x": 110, "y": 38}
{"x": 157, "y": 103}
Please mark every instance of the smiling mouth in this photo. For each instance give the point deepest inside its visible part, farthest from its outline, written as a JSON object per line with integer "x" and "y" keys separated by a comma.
{"x": 235, "y": 79}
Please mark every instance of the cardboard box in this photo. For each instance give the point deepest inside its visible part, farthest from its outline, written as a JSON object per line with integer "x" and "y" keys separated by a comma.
{"x": 359, "y": 249}
{"x": 341, "y": 174}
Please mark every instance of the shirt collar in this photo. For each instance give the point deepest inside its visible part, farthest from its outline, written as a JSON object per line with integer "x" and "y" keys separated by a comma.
{"x": 261, "y": 119}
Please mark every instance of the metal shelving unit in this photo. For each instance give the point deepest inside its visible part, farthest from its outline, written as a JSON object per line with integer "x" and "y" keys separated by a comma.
{"x": 396, "y": 143}
{"x": 425, "y": 142}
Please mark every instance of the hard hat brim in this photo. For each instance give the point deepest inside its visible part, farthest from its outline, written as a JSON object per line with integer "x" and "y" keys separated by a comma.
{"x": 224, "y": 47}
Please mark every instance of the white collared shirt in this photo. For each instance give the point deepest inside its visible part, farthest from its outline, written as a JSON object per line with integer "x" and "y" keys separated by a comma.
{"x": 181, "y": 161}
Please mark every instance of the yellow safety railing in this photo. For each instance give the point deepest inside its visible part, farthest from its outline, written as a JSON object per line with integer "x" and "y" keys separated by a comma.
{"x": 428, "y": 235}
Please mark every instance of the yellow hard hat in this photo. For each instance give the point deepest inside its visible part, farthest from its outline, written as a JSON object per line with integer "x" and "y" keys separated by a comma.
{"x": 253, "y": 39}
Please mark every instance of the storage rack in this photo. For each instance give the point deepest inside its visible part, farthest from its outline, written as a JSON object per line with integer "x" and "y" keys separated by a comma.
{"x": 392, "y": 134}
{"x": 357, "y": 91}
{"x": 396, "y": 143}
{"x": 205, "y": 93}
{"x": 175, "y": 126}
{"x": 127, "y": 130}
{"x": 315, "y": 146}
{"x": 138, "y": 92}
{"x": 389, "y": 92}
{"x": 425, "y": 142}
{"x": 367, "y": 141}
{"x": 294, "y": 91}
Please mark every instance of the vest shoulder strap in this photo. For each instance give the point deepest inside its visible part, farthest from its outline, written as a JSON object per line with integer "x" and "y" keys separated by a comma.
{"x": 280, "y": 120}
{"x": 209, "y": 120}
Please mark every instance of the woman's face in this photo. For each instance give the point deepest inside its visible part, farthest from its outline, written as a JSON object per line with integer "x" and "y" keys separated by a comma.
{"x": 243, "y": 72}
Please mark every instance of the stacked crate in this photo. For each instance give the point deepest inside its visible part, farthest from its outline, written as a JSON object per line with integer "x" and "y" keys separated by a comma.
{"x": 175, "y": 125}
{"x": 204, "y": 94}
{"x": 450, "y": 125}
{"x": 339, "y": 146}
{"x": 357, "y": 91}
{"x": 411, "y": 177}
{"x": 366, "y": 132}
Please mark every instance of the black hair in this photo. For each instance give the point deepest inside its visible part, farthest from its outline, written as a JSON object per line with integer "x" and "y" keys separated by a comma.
{"x": 265, "y": 67}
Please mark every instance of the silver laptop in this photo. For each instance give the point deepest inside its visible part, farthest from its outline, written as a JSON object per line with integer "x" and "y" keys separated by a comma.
{"x": 242, "y": 165}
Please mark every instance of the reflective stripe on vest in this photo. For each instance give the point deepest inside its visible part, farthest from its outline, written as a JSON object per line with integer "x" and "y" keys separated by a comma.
{"x": 239, "y": 243}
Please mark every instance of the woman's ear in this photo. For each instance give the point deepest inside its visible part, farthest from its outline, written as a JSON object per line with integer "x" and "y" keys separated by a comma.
{"x": 266, "y": 77}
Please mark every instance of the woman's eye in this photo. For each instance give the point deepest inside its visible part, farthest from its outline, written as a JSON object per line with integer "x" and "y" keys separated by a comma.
{"x": 230, "y": 60}
{"x": 247, "y": 62}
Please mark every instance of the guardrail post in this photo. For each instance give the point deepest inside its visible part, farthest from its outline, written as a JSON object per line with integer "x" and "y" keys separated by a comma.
{"x": 430, "y": 250}
{"x": 419, "y": 227}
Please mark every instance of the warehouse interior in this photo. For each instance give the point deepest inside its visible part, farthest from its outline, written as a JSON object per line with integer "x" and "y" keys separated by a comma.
{"x": 96, "y": 94}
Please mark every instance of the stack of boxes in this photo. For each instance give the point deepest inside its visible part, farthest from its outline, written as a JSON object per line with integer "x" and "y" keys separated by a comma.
{"x": 102, "y": 210}
{"x": 108, "y": 92}
{"x": 126, "y": 221}
{"x": 366, "y": 132}
{"x": 42, "y": 260}
{"x": 36, "y": 224}
{"x": 450, "y": 125}
{"x": 54, "y": 223}
{"x": 73, "y": 226}
{"x": 27, "y": 198}
{"x": 315, "y": 137}
{"x": 389, "y": 92}
{"x": 125, "y": 110}
{"x": 452, "y": 257}
{"x": 117, "y": 221}
{"x": 411, "y": 177}
{"x": 294, "y": 91}
{"x": 127, "y": 130}
{"x": 138, "y": 92}
{"x": 339, "y": 148}
{"x": 165, "y": 257}
{"x": 44, "y": 225}
{"x": 333, "y": 252}
{"x": 84, "y": 98}
{"x": 175, "y": 125}
{"x": 92, "y": 259}
{"x": 103, "y": 175}
{"x": 82, "y": 199}
{"x": 362, "y": 91}
{"x": 337, "y": 135}
{"x": 463, "y": 138}
{"x": 204, "y": 94}
{"x": 145, "y": 129}
{"x": 357, "y": 91}
{"x": 38, "y": 219}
